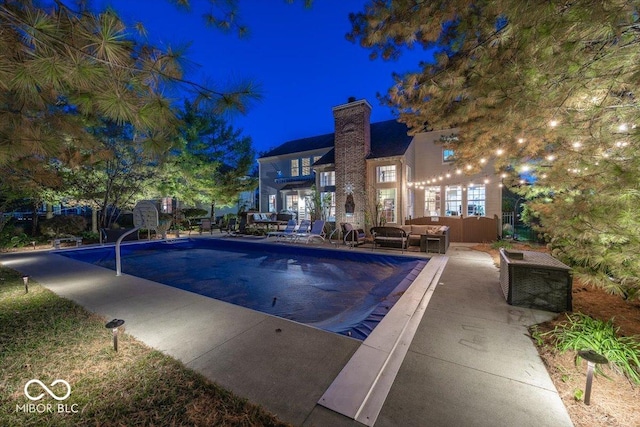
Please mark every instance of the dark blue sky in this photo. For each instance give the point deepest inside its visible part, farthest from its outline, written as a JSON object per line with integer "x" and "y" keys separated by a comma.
{"x": 298, "y": 56}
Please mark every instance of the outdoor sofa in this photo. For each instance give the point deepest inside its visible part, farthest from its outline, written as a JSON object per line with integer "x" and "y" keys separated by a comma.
{"x": 430, "y": 238}
{"x": 388, "y": 236}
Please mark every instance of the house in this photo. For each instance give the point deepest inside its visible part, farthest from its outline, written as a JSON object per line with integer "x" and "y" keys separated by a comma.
{"x": 368, "y": 173}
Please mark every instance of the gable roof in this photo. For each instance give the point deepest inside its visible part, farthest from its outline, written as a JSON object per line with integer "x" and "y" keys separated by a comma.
{"x": 304, "y": 144}
{"x": 388, "y": 138}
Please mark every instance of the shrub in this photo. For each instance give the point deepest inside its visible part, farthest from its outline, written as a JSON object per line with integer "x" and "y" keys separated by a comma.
{"x": 194, "y": 213}
{"x": 581, "y": 332}
{"x": 60, "y": 226}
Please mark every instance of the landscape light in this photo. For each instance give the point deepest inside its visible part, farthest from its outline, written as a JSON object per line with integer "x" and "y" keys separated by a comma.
{"x": 25, "y": 280}
{"x": 592, "y": 359}
{"x": 114, "y": 325}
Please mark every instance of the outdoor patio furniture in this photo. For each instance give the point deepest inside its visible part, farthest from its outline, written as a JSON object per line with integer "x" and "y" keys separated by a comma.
{"x": 287, "y": 232}
{"x": 316, "y": 232}
{"x": 536, "y": 280}
{"x": 205, "y": 225}
{"x": 351, "y": 236}
{"x": 394, "y": 237}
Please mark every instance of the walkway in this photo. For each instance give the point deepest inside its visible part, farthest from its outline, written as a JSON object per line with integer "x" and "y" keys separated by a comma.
{"x": 470, "y": 362}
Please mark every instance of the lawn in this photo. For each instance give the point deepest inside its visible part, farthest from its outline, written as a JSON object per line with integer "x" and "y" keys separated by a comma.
{"x": 47, "y": 338}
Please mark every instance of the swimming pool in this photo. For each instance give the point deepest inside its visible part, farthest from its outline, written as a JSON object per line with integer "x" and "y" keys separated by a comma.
{"x": 346, "y": 292}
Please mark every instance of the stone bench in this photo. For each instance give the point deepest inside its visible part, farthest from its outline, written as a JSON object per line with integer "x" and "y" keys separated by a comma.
{"x": 56, "y": 242}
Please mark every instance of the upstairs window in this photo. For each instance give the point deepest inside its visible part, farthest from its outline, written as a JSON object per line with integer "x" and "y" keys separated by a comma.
{"x": 448, "y": 155}
{"x": 306, "y": 166}
{"x": 295, "y": 167}
{"x": 386, "y": 173}
{"x": 327, "y": 179}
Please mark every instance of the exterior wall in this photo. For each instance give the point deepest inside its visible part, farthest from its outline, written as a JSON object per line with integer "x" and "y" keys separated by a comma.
{"x": 352, "y": 146}
{"x": 429, "y": 164}
{"x": 400, "y": 183}
{"x": 275, "y": 174}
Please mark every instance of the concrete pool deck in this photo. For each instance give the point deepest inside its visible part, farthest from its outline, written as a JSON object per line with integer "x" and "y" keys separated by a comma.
{"x": 469, "y": 363}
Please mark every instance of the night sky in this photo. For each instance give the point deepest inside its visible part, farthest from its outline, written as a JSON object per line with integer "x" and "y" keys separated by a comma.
{"x": 298, "y": 56}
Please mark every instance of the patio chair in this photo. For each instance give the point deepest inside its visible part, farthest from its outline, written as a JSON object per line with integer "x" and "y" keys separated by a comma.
{"x": 302, "y": 228}
{"x": 287, "y": 232}
{"x": 231, "y": 227}
{"x": 352, "y": 237}
{"x": 205, "y": 225}
{"x": 317, "y": 232}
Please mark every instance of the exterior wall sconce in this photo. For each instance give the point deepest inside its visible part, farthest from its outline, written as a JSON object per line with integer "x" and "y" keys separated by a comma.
{"x": 592, "y": 359}
{"x": 114, "y": 325}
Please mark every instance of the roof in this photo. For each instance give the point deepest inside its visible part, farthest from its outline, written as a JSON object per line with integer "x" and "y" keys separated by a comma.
{"x": 305, "y": 144}
{"x": 388, "y": 138}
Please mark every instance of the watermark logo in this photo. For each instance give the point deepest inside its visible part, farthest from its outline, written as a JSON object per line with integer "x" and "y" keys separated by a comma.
{"x": 47, "y": 389}
{"x": 48, "y": 408}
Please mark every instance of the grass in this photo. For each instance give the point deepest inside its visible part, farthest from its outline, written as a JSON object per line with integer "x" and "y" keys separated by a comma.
{"x": 581, "y": 332}
{"x": 45, "y": 337}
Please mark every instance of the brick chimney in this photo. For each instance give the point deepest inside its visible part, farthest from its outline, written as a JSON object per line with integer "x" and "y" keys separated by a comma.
{"x": 352, "y": 146}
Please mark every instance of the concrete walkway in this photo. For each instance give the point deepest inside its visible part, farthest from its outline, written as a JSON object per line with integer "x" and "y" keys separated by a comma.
{"x": 470, "y": 362}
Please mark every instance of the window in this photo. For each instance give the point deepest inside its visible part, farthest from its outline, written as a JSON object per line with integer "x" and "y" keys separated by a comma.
{"x": 432, "y": 201}
{"x": 387, "y": 200}
{"x": 327, "y": 179}
{"x": 448, "y": 155}
{"x": 453, "y": 200}
{"x": 291, "y": 202}
{"x": 316, "y": 158}
{"x": 295, "y": 168}
{"x": 476, "y": 200}
{"x": 272, "y": 203}
{"x": 306, "y": 166}
{"x": 328, "y": 200}
{"x": 386, "y": 173}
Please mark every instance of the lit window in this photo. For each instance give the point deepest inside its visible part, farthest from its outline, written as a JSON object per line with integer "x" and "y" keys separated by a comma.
{"x": 327, "y": 178}
{"x": 453, "y": 200}
{"x": 387, "y": 201}
{"x": 295, "y": 168}
{"x": 386, "y": 173}
{"x": 292, "y": 202}
{"x": 328, "y": 201}
{"x": 476, "y": 200}
{"x": 448, "y": 155}
{"x": 432, "y": 201}
{"x": 272, "y": 202}
{"x": 306, "y": 166}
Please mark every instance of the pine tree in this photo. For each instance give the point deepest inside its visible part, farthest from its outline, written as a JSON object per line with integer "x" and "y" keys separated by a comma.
{"x": 549, "y": 89}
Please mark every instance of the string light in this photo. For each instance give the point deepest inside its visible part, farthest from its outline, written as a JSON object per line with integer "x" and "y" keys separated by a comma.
{"x": 553, "y": 123}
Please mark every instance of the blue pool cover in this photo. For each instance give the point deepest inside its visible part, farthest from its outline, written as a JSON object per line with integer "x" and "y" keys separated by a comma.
{"x": 346, "y": 292}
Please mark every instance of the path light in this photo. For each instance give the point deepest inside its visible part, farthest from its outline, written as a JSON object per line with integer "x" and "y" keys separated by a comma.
{"x": 592, "y": 359}
{"x": 114, "y": 325}
{"x": 25, "y": 280}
